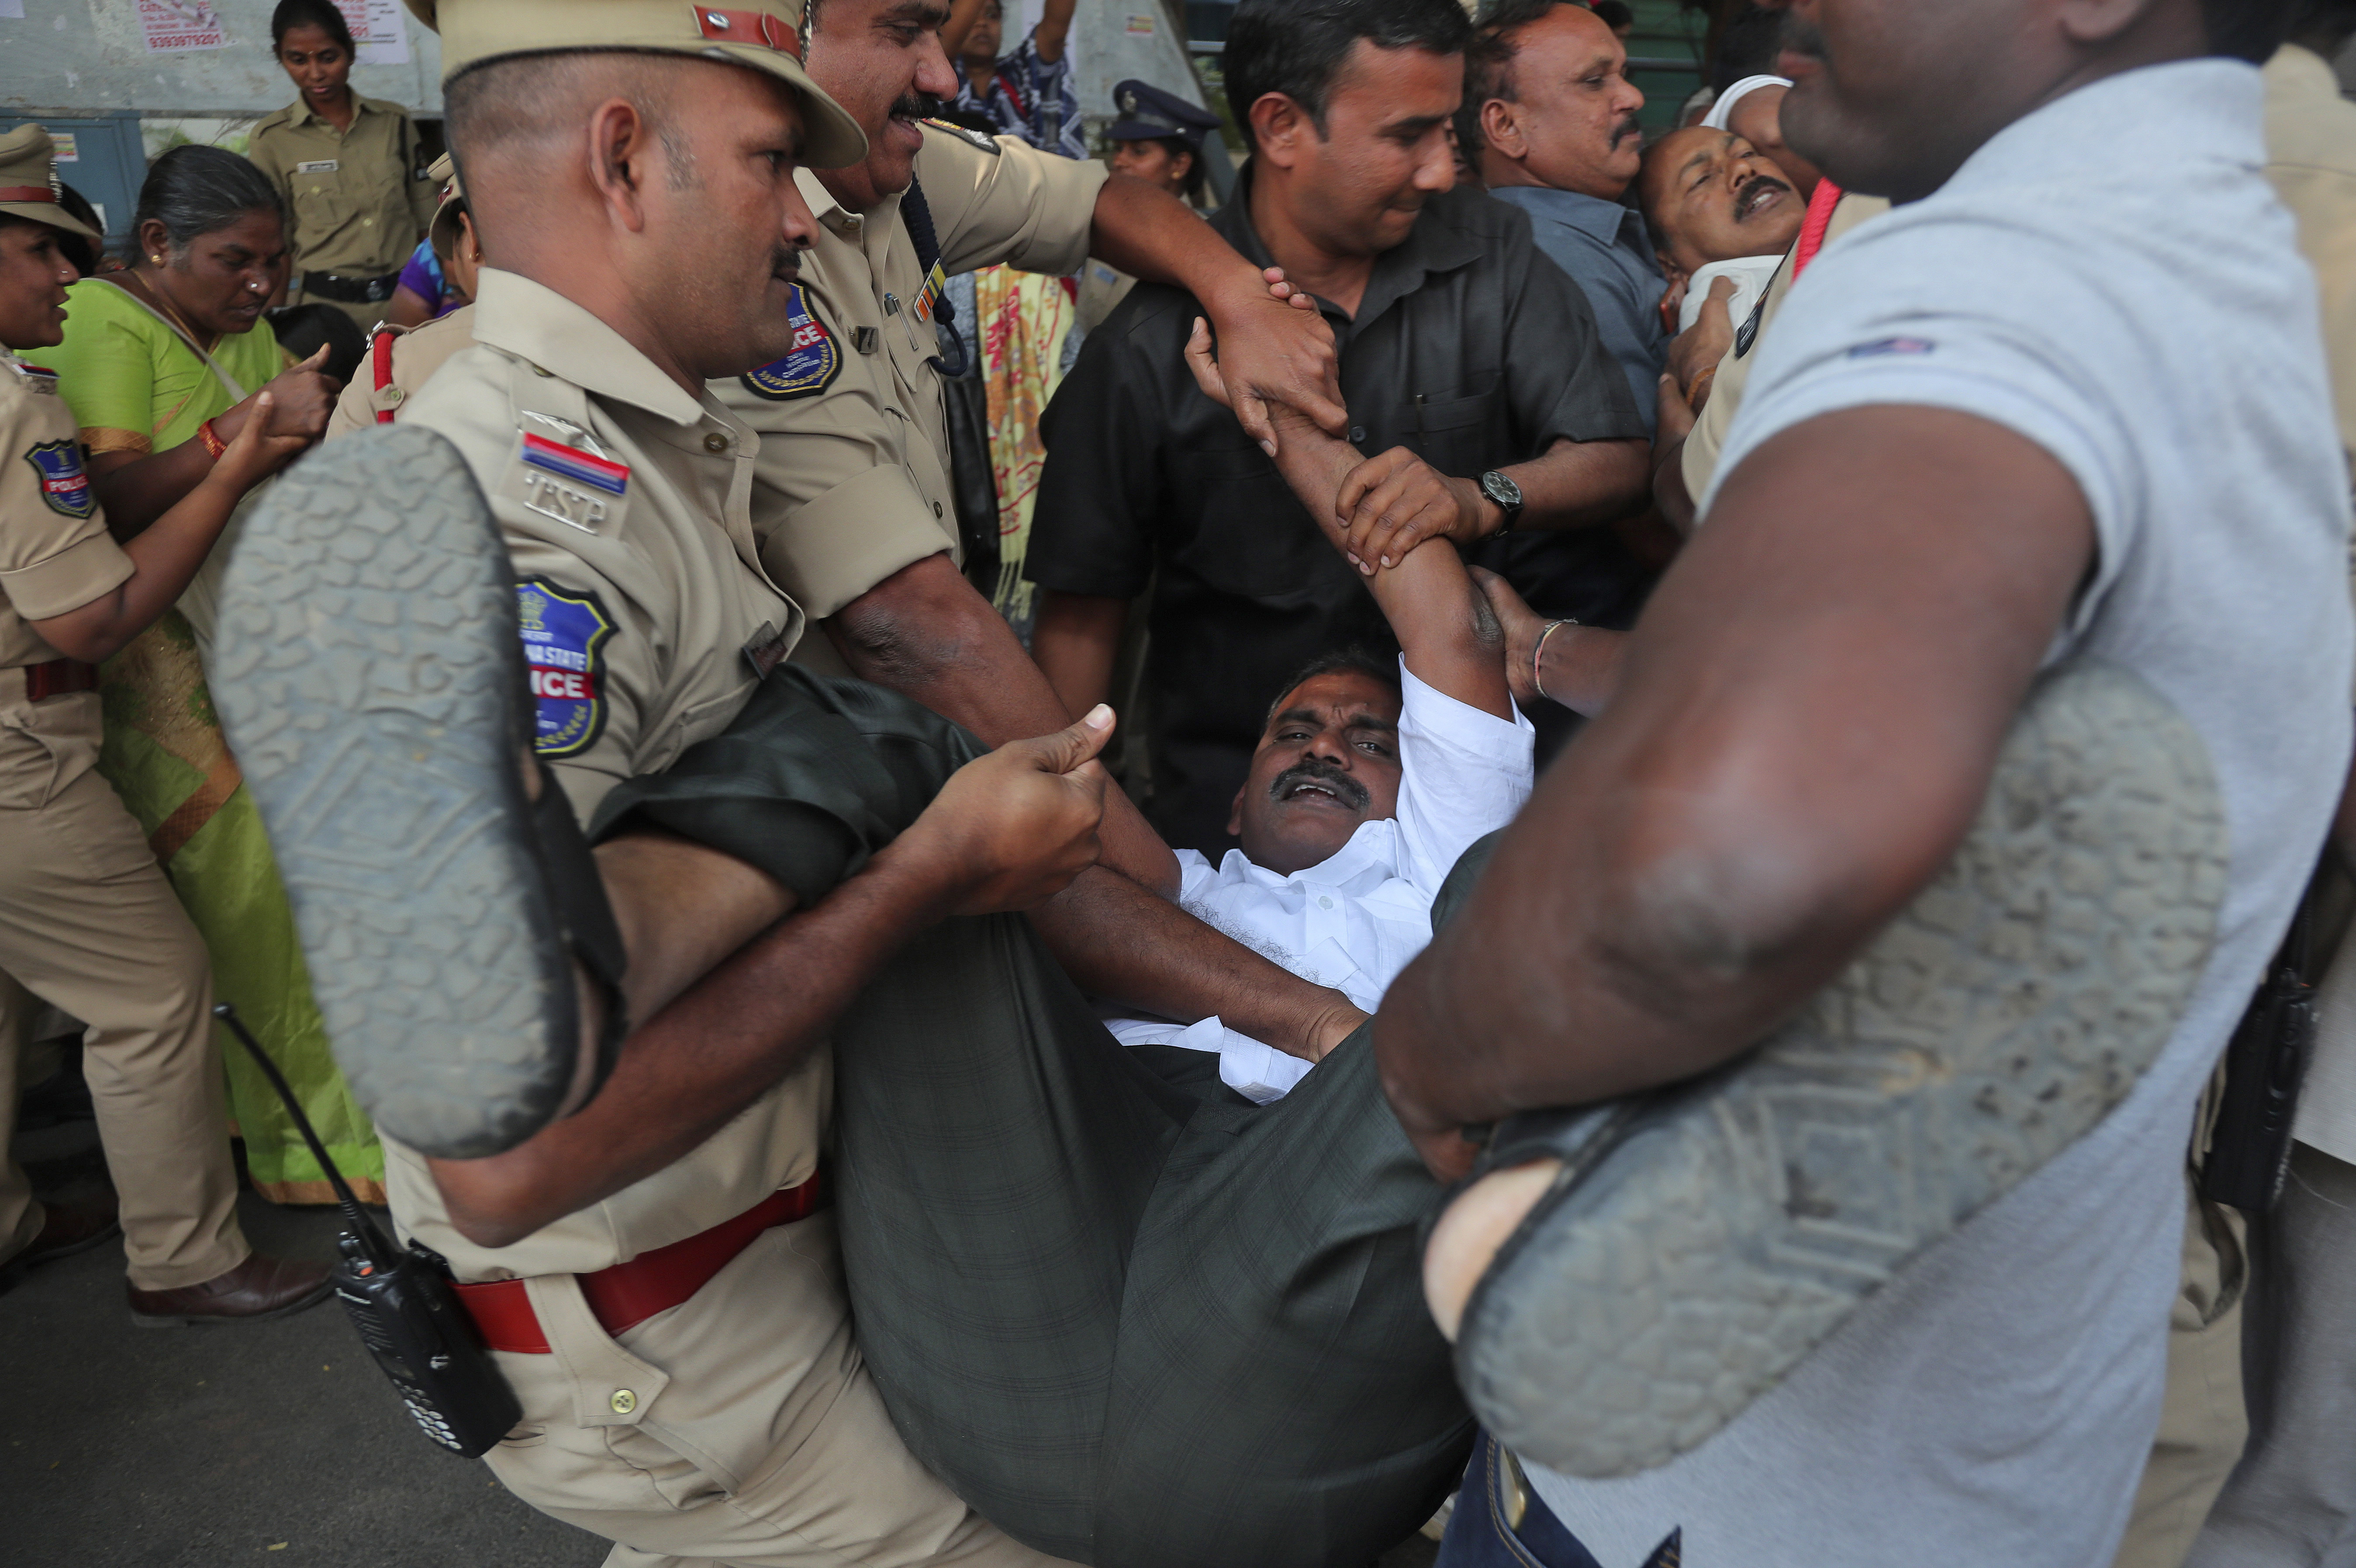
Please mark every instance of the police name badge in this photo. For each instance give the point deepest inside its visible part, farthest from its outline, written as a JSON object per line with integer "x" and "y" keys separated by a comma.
{"x": 575, "y": 487}
{"x": 319, "y": 165}
{"x": 64, "y": 486}
{"x": 37, "y": 380}
{"x": 809, "y": 367}
{"x": 564, "y": 637}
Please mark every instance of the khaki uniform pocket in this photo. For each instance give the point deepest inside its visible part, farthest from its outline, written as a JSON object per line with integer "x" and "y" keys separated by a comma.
{"x": 46, "y": 745}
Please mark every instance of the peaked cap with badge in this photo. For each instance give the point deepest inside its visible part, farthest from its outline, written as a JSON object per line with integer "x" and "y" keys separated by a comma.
{"x": 1148, "y": 114}
{"x": 767, "y": 37}
{"x": 28, "y": 181}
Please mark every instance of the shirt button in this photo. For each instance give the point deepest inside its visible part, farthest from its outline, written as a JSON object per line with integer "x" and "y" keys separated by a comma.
{"x": 368, "y": 222}
{"x": 715, "y": 442}
{"x": 937, "y": 510}
{"x": 623, "y": 1401}
{"x": 1357, "y": 435}
{"x": 1324, "y": 901}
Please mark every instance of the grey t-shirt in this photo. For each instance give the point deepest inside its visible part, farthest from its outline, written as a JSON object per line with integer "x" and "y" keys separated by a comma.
{"x": 2148, "y": 321}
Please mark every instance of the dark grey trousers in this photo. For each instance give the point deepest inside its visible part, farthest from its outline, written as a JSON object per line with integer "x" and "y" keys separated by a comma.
{"x": 1132, "y": 1318}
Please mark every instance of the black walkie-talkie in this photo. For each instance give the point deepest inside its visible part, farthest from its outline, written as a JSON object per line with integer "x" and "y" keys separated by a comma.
{"x": 402, "y": 1301}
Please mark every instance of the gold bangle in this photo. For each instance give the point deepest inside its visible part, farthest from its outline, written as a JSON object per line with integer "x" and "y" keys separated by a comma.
{"x": 1539, "y": 654}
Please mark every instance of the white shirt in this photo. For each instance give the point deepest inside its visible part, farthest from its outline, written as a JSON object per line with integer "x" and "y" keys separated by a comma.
{"x": 2112, "y": 279}
{"x": 1353, "y": 920}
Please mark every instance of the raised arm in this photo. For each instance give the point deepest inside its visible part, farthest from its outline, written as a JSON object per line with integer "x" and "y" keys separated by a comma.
{"x": 1445, "y": 628}
{"x": 1054, "y": 26}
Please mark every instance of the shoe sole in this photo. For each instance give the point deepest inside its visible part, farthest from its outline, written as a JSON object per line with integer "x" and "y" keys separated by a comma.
{"x": 369, "y": 674}
{"x": 1672, "y": 1277}
{"x": 202, "y": 1319}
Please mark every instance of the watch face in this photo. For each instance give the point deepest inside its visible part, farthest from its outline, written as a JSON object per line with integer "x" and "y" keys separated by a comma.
{"x": 1501, "y": 489}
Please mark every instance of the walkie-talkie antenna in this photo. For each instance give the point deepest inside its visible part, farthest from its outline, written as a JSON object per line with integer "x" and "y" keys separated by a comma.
{"x": 380, "y": 1246}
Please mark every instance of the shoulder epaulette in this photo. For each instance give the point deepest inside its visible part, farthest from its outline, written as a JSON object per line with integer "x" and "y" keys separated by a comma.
{"x": 966, "y": 134}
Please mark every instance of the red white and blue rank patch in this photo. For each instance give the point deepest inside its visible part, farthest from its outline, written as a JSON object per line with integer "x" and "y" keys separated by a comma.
{"x": 63, "y": 484}
{"x": 809, "y": 367}
{"x": 568, "y": 484}
{"x": 565, "y": 637}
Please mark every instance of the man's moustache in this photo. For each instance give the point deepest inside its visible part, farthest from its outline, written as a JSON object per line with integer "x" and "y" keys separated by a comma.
{"x": 1803, "y": 37}
{"x": 1752, "y": 187}
{"x": 1352, "y": 793}
{"x": 915, "y": 106}
{"x": 1631, "y": 126}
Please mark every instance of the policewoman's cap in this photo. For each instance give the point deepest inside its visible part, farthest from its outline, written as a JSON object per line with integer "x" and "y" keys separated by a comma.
{"x": 28, "y": 182}
{"x": 443, "y": 232}
{"x": 767, "y": 37}
{"x": 1148, "y": 114}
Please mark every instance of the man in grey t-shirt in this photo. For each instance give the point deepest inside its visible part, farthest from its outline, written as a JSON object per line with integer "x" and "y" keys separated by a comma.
{"x": 2038, "y": 412}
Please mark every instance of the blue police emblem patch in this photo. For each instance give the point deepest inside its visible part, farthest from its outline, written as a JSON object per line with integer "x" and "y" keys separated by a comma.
{"x": 564, "y": 637}
{"x": 809, "y": 367}
{"x": 63, "y": 484}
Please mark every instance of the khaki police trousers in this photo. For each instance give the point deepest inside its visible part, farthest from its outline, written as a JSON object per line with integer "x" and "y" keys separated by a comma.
{"x": 2202, "y": 1426}
{"x": 739, "y": 1427}
{"x": 88, "y": 924}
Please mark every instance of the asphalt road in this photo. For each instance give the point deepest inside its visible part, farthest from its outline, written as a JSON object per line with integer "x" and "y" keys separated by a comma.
{"x": 271, "y": 1443}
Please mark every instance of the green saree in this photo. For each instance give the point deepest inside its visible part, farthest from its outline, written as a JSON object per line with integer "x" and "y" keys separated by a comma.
{"x": 136, "y": 385}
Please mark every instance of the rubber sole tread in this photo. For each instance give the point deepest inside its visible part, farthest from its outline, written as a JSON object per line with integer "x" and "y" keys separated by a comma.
{"x": 369, "y": 674}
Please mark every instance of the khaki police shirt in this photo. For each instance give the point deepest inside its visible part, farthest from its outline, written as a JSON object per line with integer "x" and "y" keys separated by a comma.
{"x": 361, "y": 197}
{"x": 55, "y": 556}
{"x": 853, "y": 473}
{"x": 416, "y": 355}
{"x": 2312, "y": 159}
{"x": 638, "y": 609}
{"x": 1699, "y": 458}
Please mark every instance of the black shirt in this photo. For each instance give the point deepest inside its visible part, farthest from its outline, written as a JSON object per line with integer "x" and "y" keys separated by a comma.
{"x": 1470, "y": 349}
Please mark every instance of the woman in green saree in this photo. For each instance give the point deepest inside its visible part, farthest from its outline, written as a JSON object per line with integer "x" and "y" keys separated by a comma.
{"x": 159, "y": 364}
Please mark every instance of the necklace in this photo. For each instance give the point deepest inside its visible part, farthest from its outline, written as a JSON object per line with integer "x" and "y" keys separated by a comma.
{"x": 164, "y": 304}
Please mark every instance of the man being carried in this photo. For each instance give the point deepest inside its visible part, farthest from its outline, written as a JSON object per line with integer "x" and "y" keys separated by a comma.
{"x": 1718, "y": 209}
{"x": 1368, "y": 783}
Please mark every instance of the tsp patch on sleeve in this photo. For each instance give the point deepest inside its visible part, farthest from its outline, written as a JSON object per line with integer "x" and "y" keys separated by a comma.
{"x": 63, "y": 484}
{"x": 565, "y": 637}
{"x": 576, "y": 488}
{"x": 809, "y": 367}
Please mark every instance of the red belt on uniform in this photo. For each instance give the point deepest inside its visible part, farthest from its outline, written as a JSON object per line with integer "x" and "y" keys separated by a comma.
{"x": 58, "y": 677}
{"x": 628, "y": 1293}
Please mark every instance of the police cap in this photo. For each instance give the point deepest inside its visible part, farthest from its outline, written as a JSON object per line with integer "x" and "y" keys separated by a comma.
{"x": 28, "y": 182}
{"x": 1148, "y": 114}
{"x": 766, "y": 35}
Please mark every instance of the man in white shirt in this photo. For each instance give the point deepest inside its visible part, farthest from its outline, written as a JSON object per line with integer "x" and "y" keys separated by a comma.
{"x": 1366, "y": 788}
{"x": 2035, "y": 414}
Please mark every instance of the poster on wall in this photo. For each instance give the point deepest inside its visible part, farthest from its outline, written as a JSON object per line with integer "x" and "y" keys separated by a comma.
{"x": 176, "y": 27}
{"x": 376, "y": 31}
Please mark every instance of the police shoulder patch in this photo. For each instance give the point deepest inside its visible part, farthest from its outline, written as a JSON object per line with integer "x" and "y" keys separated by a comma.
{"x": 565, "y": 637}
{"x": 966, "y": 134}
{"x": 64, "y": 486}
{"x": 809, "y": 367}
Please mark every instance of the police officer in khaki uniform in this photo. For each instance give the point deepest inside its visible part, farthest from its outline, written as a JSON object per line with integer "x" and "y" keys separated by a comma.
{"x": 352, "y": 170}
{"x": 679, "y": 1342}
{"x": 400, "y": 358}
{"x": 87, "y": 921}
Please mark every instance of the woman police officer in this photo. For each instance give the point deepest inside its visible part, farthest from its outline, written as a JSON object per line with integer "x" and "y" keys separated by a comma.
{"x": 352, "y": 169}
{"x": 87, "y": 921}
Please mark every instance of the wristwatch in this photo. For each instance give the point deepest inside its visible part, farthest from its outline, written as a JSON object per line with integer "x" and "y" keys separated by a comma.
{"x": 1508, "y": 497}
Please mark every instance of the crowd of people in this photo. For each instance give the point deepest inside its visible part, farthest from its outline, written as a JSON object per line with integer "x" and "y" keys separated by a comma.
{"x": 1712, "y": 733}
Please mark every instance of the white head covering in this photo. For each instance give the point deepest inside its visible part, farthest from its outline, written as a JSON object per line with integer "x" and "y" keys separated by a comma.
{"x": 1721, "y": 111}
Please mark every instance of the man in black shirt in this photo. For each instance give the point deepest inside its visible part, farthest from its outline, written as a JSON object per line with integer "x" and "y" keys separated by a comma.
{"x": 1472, "y": 367}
